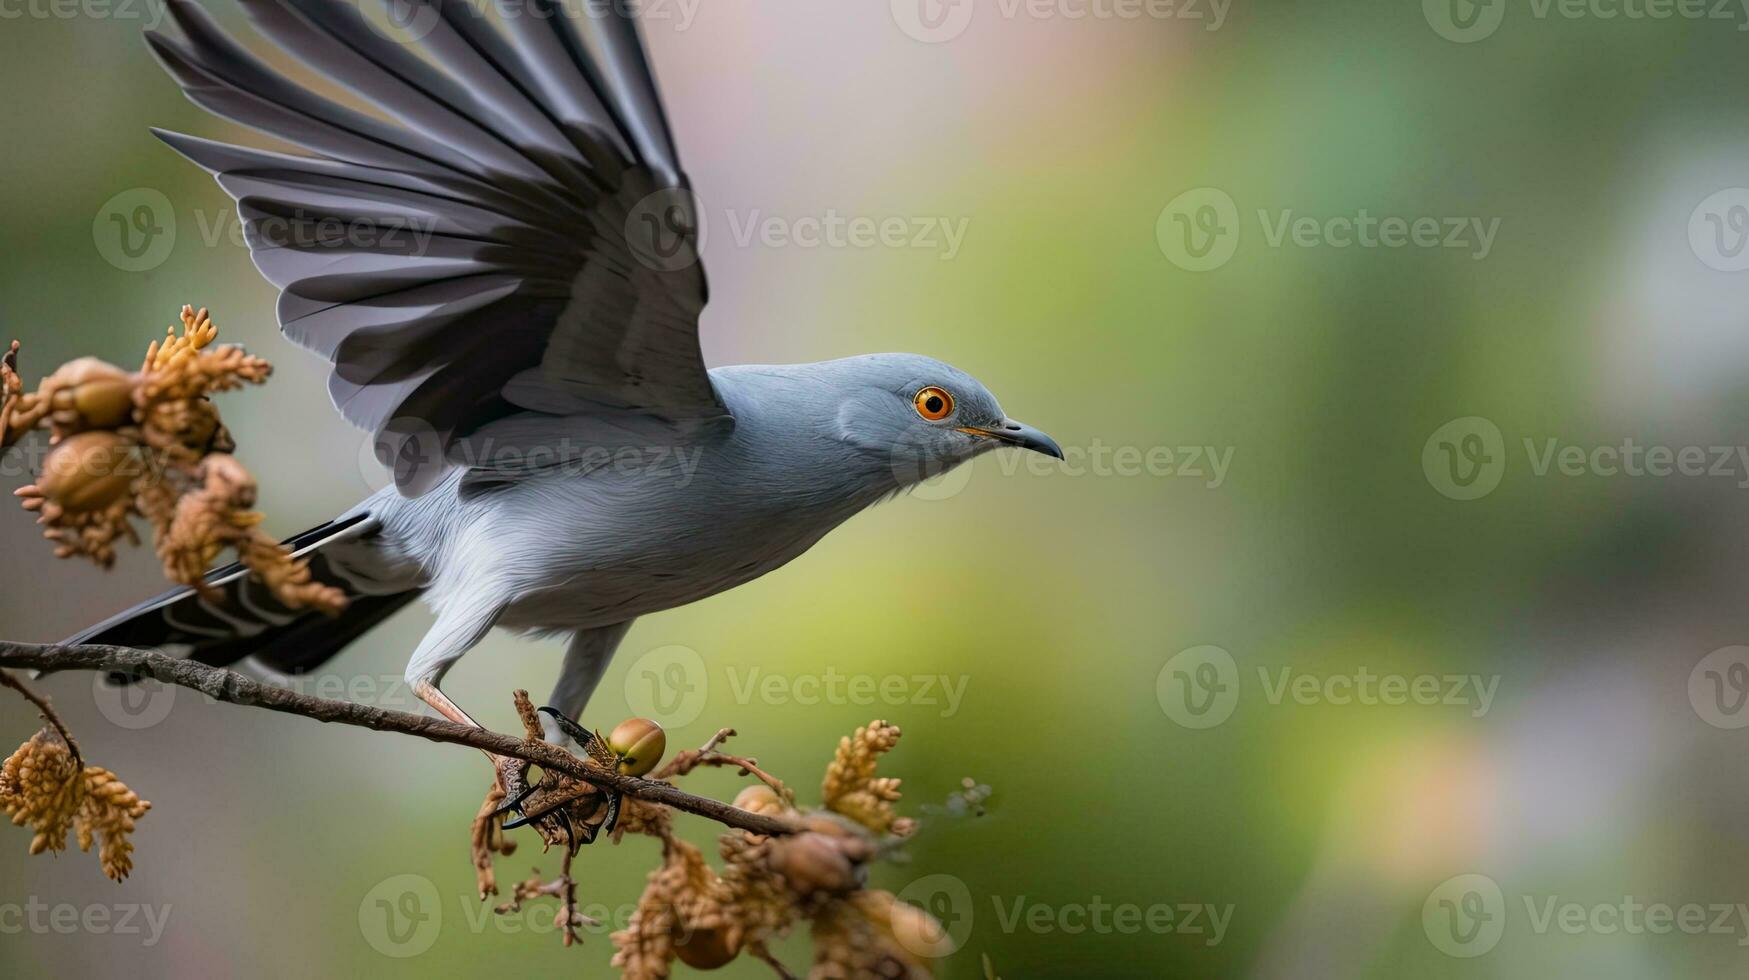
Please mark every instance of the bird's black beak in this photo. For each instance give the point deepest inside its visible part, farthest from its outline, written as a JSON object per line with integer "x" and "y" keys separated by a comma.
{"x": 1019, "y": 434}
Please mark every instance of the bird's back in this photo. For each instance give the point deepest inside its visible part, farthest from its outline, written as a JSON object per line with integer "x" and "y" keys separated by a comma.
{"x": 629, "y": 530}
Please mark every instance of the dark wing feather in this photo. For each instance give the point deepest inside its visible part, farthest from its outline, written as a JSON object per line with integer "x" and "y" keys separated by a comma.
{"x": 474, "y": 256}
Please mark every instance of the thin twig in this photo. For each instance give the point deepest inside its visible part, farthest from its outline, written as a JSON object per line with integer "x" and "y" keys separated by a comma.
{"x": 233, "y": 688}
{"x": 685, "y": 761}
{"x": 760, "y": 952}
{"x": 722, "y": 735}
{"x": 568, "y": 900}
{"x": 48, "y": 712}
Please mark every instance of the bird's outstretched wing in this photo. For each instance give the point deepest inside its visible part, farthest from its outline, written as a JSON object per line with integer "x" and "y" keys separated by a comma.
{"x": 516, "y": 237}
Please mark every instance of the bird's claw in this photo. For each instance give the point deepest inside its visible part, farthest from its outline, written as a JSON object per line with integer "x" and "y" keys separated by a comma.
{"x": 512, "y": 775}
{"x": 516, "y": 790}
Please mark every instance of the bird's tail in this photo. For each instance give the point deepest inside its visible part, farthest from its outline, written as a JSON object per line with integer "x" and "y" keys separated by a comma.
{"x": 245, "y": 620}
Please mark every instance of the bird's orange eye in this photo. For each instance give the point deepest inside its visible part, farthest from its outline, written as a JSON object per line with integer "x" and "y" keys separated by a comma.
{"x": 934, "y": 403}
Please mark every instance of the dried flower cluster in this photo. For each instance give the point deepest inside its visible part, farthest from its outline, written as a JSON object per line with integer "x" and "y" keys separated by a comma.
{"x": 150, "y": 444}
{"x": 44, "y": 785}
{"x": 704, "y": 917}
{"x": 853, "y": 789}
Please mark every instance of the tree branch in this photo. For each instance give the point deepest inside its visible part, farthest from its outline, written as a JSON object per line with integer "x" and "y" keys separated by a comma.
{"x": 46, "y": 709}
{"x": 233, "y": 688}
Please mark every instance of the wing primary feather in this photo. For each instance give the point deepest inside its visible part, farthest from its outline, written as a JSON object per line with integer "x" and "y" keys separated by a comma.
{"x": 516, "y": 153}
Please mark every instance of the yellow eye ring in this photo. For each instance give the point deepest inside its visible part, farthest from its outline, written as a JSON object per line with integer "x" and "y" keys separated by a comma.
{"x": 933, "y": 403}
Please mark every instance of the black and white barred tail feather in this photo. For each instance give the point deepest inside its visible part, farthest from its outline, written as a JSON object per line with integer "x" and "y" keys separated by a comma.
{"x": 247, "y": 621}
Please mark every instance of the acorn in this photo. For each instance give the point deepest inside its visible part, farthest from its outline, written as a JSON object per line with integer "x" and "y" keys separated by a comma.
{"x": 638, "y": 744}
{"x": 705, "y": 949}
{"x": 89, "y": 471}
{"x": 814, "y": 862}
{"x": 90, "y": 394}
{"x": 760, "y": 798}
{"x": 918, "y": 932}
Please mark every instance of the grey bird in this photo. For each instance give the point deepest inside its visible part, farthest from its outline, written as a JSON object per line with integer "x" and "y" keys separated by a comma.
{"x": 526, "y": 350}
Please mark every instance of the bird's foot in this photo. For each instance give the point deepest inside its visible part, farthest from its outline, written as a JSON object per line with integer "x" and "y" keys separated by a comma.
{"x": 512, "y": 784}
{"x": 560, "y": 808}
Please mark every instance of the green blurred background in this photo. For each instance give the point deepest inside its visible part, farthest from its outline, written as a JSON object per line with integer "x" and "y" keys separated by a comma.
{"x": 1603, "y": 770}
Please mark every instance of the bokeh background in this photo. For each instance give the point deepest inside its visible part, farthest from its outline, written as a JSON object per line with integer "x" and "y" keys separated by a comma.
{"x": 1119, "y": 174}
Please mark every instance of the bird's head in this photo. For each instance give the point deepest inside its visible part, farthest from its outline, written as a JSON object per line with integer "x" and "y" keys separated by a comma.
{"x": 922, "y": 417}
